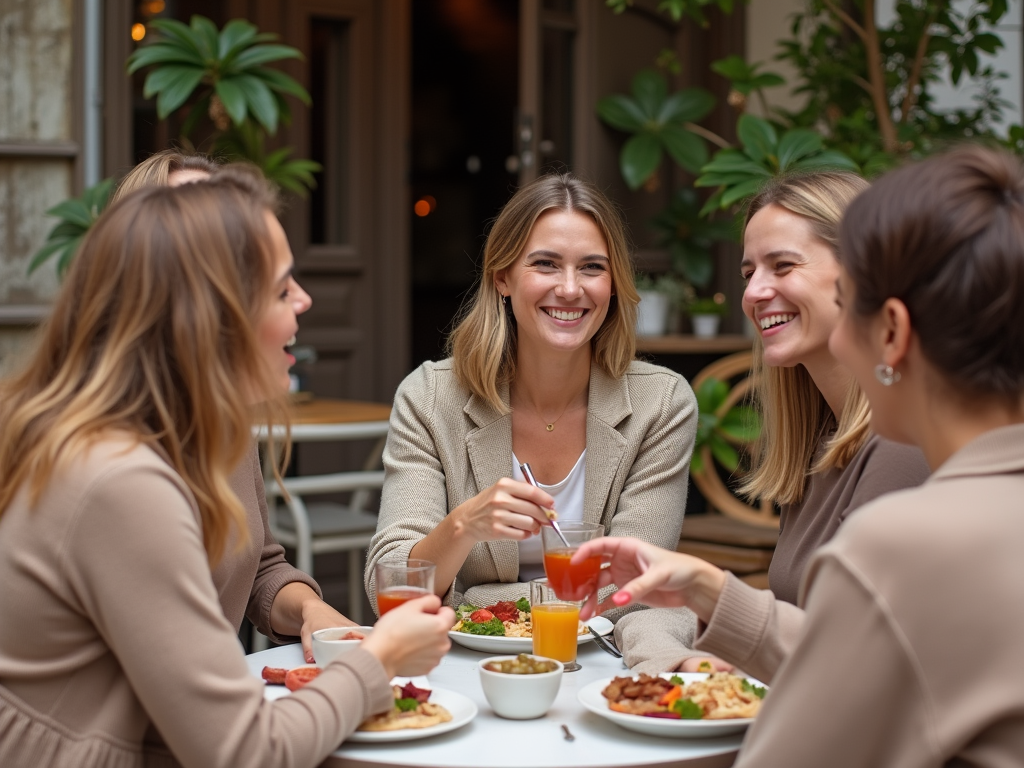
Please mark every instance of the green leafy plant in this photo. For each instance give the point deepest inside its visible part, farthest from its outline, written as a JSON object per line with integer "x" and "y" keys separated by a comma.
{"x": 77, "y": 216}
{"x": 746, "y": 78}
{"x": 709, "y": 305}
{"x": 679, "y": 292}
{"x": 659, "y": 122}
{"x": 677, "y": 9}
{"x": 244, "y": 98}
{"x": 740, "y": 173}
{"x": 721, "y": 428}
{"x": 690, "y": 238}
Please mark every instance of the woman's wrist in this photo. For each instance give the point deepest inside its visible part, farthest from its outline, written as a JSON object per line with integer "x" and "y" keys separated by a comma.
{"x": 378, "y": 645}
{"x": 706, "y": 589}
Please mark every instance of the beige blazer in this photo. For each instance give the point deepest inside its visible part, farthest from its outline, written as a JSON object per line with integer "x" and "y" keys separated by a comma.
{"x": 446, "y": 445}
{"x": 910, "y": 655}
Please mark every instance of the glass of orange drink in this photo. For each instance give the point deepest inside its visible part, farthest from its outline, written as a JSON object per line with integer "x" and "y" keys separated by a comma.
{"x": 401, "y": 580}
{"x": 571, "y": 581}
{"x": 555, "y": 624}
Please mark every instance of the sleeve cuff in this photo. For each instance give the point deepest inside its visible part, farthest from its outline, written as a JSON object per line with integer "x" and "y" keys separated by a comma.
{"x": 738, "y": 624}
{"x": 371, "y": 676}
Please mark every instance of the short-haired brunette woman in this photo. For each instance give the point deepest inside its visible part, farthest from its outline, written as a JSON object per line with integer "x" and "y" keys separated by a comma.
{"x": 910, "y": 654}
{"x": 115, "y": 504}
{"x": 818, "y": 460}
{"x": 255, "y": 581}
{"x": 541, "y": 371}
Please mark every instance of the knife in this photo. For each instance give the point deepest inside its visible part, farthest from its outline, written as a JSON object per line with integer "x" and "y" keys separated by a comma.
{"x": 604, "y": 644}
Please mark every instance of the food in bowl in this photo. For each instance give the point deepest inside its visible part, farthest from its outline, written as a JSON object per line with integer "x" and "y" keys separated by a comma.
{"x": 523, "y": 664}
{"x": 503, "y": 619}
{"x": 411, "y": 710}
{"x": 721, "y": 696}
{"x": 520, "y": 696}
{"x": 331, "y": 642}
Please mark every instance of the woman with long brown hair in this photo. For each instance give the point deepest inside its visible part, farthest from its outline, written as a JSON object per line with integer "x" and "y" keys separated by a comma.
{"x": 541, "y": 371}
{"x": 120, "y": 437}
{"x": 910, "y": 652}
{"x": 254, "y": 581}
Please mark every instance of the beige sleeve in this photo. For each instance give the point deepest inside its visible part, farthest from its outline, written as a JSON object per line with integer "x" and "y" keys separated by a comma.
{"x": 848, "y": 695}
{"x": 135, "y": 560}
{"x": 751, "y": 629}
{"x": 657, "y": 639}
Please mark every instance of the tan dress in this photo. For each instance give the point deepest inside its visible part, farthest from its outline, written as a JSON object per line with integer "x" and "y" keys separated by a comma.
{"x": 910, "y": 656}
{"x": 114, "y": 642}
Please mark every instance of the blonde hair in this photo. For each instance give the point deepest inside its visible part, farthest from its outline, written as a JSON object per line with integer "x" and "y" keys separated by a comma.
{"x": 794, "y": 413}
{"x": 156, "y": 170}
{"x": 483, "y": 344}
{"x": 151, "y": 334}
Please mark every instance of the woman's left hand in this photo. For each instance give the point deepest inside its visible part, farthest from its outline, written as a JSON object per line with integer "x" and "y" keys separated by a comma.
{"x": 316, "y": 614}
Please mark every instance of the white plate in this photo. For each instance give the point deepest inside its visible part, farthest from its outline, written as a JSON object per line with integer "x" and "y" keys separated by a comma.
{"x": 462, "y": 708}
{"x": 506, "y": 645}
{"x": 591, "y": 698}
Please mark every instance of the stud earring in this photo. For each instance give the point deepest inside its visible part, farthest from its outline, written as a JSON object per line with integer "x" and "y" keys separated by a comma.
{"x": 504, "y": 299}
{"x": 886, "y": 375}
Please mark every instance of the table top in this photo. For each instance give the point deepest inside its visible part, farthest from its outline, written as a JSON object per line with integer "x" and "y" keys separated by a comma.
{"x": 684, "y": 343}
{"x": 323, "y": 410}
{"x": 536, "y": 743}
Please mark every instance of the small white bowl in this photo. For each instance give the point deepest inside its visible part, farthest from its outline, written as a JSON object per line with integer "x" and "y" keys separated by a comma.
{"x": 520, "y": 697}
{"x": 327, "y": 646}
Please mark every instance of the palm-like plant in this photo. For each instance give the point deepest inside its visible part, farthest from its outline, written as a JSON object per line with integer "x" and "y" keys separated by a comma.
{"x": 76, "y": 217}
{"x": 230, "y": 65}
{"x": 721, "y": 428}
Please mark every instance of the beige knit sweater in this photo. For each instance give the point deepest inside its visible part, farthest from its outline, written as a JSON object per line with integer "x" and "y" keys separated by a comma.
{"x": 113, "y": 640}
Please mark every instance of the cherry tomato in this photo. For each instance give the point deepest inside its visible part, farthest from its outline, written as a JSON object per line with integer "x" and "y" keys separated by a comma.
{"x": 481, "y": 616}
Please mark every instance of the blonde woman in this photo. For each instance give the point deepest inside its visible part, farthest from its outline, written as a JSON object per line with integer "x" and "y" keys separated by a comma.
{"x": 541, "y": 371}
{"x": 115, "y": 503}
{"x": 255, "y": 582}
{"x": 818, "y": 458}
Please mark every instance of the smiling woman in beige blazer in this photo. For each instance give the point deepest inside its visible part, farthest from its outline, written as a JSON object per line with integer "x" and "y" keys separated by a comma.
{"x": 910, "y": 654}
{"x": 542, "y": 371}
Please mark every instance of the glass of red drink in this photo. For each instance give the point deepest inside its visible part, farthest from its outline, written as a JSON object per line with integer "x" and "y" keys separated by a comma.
{"x": 571, "y": 581}
{"x": 402, "y": 580}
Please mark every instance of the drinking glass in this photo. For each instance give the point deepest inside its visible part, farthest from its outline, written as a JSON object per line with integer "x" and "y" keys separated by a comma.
{"x": 401, "y": 580}
{"x": 571, "y": 581}
{"x": 555, "y": 624}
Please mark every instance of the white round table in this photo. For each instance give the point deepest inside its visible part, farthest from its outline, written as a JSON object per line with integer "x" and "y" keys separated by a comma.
{"x": 498, "y": 743}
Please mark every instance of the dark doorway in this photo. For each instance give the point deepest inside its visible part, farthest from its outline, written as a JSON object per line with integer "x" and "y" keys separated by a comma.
{"x": 465, "y": 56}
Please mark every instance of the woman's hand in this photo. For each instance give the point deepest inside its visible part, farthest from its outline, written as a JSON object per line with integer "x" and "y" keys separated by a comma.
{"x": 651, "y": 575}
{"x": 316, "y": 614}
{"x": 509, "y": 509}
{"x": 411, "y": 639}
{"x": 694, "y": 664}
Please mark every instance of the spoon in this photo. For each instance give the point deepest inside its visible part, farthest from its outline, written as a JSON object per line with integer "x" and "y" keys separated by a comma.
{"x": 528, "y": 474}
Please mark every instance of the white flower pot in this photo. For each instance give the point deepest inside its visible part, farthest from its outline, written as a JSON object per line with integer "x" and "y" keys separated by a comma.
{"x": 652, "y": 314}
{"x": 705, "y": 326}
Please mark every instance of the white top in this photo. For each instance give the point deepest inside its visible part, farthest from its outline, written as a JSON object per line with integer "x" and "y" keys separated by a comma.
{"x": 568, "y": 496}
{"x": 536, "y": 743}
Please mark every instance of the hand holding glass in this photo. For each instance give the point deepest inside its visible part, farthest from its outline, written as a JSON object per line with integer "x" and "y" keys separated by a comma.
{"x": 401, "y": 580}
{"x": 571, "y": 581}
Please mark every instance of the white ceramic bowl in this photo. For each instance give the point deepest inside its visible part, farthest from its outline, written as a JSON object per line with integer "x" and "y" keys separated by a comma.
{"x": 520, "y": 697}
{"x": 327, "y": 646}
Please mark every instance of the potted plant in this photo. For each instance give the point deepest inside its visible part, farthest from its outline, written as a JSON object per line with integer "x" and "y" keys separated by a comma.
{"x": 658, "y": 295}
{"x": 706, "y": 314}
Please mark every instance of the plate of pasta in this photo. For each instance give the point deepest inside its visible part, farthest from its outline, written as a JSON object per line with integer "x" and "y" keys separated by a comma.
{"x": 505, "y": 628}
{"x": 683, "y": 705}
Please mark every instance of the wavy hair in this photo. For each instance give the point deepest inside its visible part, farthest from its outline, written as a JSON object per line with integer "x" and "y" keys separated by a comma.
{"x": 151, "y": 335}
{"x": 156, "y": 170}
{"x": 794, "y": 413}
{"x": 483, "y": 344}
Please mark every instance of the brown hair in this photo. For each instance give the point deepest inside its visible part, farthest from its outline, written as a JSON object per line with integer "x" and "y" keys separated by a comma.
{"x": 946, "y": 237}
{"x": 483, "y": 344}
{"x": 151, "y": 334}
{"x": 156, "y": 170}
{"x": 793, "y": 410}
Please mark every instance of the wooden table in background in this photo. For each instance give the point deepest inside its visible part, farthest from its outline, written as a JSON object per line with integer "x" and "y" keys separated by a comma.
{"x": 688, "y": 344}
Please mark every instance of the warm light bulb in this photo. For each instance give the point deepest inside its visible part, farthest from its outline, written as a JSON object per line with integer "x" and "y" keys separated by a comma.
{"x": 422, "y": 208}
{"x": 138, "y": 32}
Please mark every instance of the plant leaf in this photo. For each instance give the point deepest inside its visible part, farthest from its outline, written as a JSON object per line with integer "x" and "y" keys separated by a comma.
{"x": 686, "y": 106}
{"x": 796, "y": 144}
{"x": 696, "y": 264}
{"x": 713, "y": 203}
{"x": 687, "y": 149}
{"x": 649, "y": 90}
{"x": 74, "y": 211}
{"x": 162, "y": 53}
{"x": 262, "y": 54}
{"x": 741, "y": 191}
{"x": 67, "y": 254}
{"x": 206, "y": 36}
{"x": 261, "y": 101}
{"x": 621, "y": 112}
{"x": 234, "y": 99}
{"x": 49, "y": 248}
{"x": 176, "y": 92}
{"x": 236, "y": 34}
{"x": 710, "y": 395}
{"x": 733, "y": 67}
{"x": 167, "y": 76}
{"x": 724, "y": 453}
{"x": 757, "y": 136}
{"x": 640, "y": 158}
{"x": 741, "y": 423}
{"x": 829, "y": 159}
{"x": 178, "y": 32}
{"x": 282, "y": 83}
